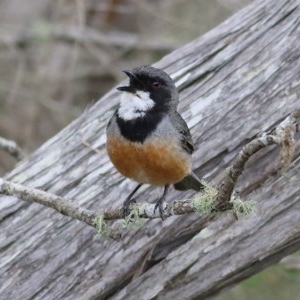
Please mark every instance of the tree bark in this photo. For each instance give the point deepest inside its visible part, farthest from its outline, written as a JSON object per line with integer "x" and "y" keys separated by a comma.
{"x": 236, "y": 81}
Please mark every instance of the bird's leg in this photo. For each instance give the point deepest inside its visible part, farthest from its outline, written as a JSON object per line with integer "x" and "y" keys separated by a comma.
{"x": 161, "y": 200}
{"x": 126, "y": 204}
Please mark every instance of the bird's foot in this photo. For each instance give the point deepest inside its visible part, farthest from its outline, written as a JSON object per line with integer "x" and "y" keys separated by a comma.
{"x": 126, "y": 207}
{"x": 160, "y": 206}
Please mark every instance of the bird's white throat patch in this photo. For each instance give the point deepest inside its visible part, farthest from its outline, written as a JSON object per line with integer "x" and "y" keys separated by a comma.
{"x": 133, "y": 106}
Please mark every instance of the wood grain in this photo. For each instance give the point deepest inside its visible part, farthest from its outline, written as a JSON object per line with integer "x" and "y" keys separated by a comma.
{"x": 235, "y": 81}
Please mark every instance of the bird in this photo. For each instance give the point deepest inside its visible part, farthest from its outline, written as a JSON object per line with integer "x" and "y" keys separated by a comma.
{"x": 147, "y": 139}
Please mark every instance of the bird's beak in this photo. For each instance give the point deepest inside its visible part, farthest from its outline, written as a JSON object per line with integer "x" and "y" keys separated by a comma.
{"x": 129, "y": 88}
{"x": 130, "y": 74}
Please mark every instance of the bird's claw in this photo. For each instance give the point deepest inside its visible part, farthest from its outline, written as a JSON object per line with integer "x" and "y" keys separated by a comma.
{"x": 159, "y": 206}
{"x": 126, "y": 207}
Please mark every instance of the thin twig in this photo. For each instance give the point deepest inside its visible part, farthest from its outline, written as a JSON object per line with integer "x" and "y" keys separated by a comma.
{"x": 71, "y": 209}
{"x": 282, "y": 135}
{"x": 60, "y": 204}
{"x": 220, "y": 200}
{"x": 12, "y": 148}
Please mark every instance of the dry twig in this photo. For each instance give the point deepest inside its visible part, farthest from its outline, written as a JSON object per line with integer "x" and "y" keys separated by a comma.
{"x": 12, "y": 148}
{"x": 212, "y": 199}
{"x": 282, "y": 135}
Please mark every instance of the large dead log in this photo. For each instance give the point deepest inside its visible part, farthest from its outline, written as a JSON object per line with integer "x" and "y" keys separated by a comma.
{"x": 237, "y": 80}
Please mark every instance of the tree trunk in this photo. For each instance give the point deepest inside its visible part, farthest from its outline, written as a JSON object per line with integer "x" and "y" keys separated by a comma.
{"x": 236, "y": 81}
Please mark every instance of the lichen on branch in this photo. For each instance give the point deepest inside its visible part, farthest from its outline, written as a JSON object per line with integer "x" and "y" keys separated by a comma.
{"x": 210, "y": 200}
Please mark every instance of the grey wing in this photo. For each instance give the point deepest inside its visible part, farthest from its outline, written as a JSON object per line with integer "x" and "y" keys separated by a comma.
{"x": 185, "y": 135}
{"x": 191, "y": 181}
{"x": 111, "y": 125}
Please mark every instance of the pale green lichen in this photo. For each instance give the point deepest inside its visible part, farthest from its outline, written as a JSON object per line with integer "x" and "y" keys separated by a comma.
{"x": 204, "y": 202}
{"x": 102, "y": 228}
{"x": 133, "y": 220}
{"x": 242, "y": 207}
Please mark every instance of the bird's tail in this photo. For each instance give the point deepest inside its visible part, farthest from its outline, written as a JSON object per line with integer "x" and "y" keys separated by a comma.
{"x": 190, "y": 182}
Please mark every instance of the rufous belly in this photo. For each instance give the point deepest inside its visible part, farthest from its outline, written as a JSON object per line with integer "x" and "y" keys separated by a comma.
{"x": 157, "y": 162}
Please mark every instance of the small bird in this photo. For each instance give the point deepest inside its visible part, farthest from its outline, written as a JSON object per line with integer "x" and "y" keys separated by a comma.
{"x": 147, "y": 139}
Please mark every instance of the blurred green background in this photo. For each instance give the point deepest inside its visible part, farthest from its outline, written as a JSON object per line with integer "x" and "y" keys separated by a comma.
{"x": 58, "y": 56}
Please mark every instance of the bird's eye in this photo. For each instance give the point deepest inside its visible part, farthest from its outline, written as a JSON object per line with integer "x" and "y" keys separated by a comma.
{"x": 156, "y": 85}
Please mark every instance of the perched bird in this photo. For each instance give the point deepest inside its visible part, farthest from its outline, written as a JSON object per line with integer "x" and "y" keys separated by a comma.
{"x": 147, "y": 139}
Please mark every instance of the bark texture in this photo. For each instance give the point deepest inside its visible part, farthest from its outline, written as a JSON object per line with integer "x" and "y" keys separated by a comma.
{"x": 235, "y": 81}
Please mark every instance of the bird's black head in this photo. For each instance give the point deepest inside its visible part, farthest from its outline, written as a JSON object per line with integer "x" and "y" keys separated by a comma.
{"x": 149, "y": 85}
{"x": 150, "y": 95}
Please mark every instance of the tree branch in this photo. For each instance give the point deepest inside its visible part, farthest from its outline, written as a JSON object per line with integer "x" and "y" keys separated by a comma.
{"x": 12, "y": 148}
{"x": 63, "y": 206}
{"x": 241, "y": 75}
{"x": 222, "y": 200}
{"x": 282, "y": 135}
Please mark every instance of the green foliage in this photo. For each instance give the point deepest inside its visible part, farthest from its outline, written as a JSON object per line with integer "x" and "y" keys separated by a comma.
{"x": 275, "y": 283}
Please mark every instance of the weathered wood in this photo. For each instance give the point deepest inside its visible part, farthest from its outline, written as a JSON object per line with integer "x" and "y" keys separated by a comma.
{"x": 237, "y": 80}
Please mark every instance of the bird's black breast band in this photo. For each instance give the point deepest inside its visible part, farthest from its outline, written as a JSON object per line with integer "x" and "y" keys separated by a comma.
{"x": 139, "y": 129}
